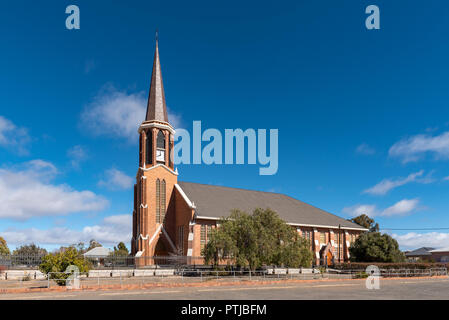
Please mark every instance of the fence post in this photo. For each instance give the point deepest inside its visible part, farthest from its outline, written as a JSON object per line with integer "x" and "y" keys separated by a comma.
{"x": 48, "y": 280}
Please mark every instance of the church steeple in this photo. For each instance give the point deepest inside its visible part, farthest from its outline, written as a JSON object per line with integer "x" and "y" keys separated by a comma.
{"x": 156, "y": 107}
{"x": 156, "y": 133}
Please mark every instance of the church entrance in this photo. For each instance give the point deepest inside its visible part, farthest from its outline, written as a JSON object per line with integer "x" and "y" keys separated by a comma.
{"x": 326, "y": 256}
{"x": 161, "y": 249}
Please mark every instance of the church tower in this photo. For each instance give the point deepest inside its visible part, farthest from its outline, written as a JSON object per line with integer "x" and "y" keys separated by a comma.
{"x": 153, "y": 215}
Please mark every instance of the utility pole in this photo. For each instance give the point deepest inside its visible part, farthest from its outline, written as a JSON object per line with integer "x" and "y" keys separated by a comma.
{"x": 339, "y": 234}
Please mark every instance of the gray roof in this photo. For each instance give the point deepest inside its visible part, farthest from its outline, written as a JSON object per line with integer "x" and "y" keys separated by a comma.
{"x": 217, "y": 202}
{"x": 98, "y": 252}
{"x": 446, "y": 249}
{"x": 424, "y": 251}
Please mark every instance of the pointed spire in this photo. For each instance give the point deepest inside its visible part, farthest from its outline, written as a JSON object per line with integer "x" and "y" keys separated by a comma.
{"x": 156, "y": 107}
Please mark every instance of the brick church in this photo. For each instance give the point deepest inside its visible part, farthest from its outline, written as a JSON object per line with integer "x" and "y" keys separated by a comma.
{"x": 172, "y": 217}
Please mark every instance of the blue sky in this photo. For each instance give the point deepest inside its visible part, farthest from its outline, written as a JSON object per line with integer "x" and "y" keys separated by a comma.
{"x": 362, "y": 114}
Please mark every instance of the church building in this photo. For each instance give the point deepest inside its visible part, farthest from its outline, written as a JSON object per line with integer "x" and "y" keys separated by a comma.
{"x": 173, "y": 217}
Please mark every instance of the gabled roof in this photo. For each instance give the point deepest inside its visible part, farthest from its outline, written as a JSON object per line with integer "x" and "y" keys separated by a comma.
{"x": 446, "y": 249}
{"x": 424, "y": 251}
{"x": 215, "y": 202}
{"x": 98, "y": 252}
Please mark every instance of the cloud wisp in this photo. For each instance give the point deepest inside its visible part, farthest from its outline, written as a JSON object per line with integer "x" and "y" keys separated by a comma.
{"x": 400, "y": 208}
{"x": 116, "y": 180}
{"x": 77, "y": 154}
{"x": 416, "y": 147}
{"x": 118, "y": 114}
{"x": 365, "y": 149}
{"x": 387, "y": 185}
{"x": 27, "y": 191}
{"x": 413, "y": 240}
{"x": 13, "y": 137}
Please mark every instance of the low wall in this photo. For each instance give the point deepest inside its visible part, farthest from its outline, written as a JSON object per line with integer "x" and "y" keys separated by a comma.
{"x": 21, "y": 274}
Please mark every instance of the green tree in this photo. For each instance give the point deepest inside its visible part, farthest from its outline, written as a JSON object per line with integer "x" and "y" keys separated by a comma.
{"x": 262, "y": 238}
{"x": 366, "y": 222}
{"x": 58, "y": 262}
{"x": 120, "y": 250}
{"x": 92, "y": 244}
{"x": 4, "y": 250}
{"x": 29, "y": 250}
{"x": 376, "y": 247}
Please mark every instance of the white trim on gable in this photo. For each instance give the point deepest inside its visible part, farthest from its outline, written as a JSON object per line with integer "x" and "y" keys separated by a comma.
{"x": 184, "y": 196}
{"x": 157, "y": 166}
{"x": 168, "y": 238}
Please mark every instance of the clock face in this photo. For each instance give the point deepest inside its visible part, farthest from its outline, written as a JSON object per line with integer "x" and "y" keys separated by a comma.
{"x": 160, "y": 155}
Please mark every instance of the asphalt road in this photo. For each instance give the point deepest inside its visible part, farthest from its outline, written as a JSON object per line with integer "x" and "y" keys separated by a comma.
{"x": 346, "y": 290}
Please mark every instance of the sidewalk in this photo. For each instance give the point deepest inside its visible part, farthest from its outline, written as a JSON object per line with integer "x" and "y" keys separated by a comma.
{"x": 209, "y": 283}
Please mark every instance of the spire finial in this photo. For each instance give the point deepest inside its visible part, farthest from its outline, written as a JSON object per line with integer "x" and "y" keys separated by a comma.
{"x": 156, "y": 107}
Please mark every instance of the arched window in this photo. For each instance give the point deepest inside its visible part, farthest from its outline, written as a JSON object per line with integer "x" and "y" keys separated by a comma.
{"x": 149, "y": 148}
{"x": 163, "y": 201}
{"x": 170, "y": 151}
{"x": 160, "y": 140}
{"x": 158, "y": 201}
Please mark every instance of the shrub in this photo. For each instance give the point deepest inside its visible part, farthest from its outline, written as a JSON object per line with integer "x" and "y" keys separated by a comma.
{"x": 376, "y": 247}
{"x": 256, "y": 240}
{"x": 57, "y": 263}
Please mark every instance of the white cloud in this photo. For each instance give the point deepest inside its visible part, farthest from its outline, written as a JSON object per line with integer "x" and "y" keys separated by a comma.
{"x": 359, "y": 209}
{"x": 415, "y": 147}
{"x": 117, "y": 113}
{"x": 13, "y": 137}
{"x": 446, "y": 178}
{"x": 403, "y": 207}
{"x": 27, "y": 192}
{"x": 413, "y": 240}
{"x": 116, "y": 179}
{"x": 77, "y": 154}
{"x": 365, "y": 149}
{"x": 386, "y": 185}
{"x": 110, "y": 231}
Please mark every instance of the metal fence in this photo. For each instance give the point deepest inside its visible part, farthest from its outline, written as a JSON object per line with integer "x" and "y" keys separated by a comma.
{"x": 104, "y": 262}
{"x": 399, "y": 272}
{"x": 20, "y": 261}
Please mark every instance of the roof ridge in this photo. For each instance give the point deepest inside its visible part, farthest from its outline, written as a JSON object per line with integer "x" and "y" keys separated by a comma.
{"x": 277, "y": 193}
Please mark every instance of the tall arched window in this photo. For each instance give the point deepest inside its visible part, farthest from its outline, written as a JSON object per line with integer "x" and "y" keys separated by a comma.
{"x": 160, "y": 140}
{"x": 158, "y": 201}
{"x": 170, "y": 156}
{"x": 149, "y": 148}
{"x": 163, "y": 201}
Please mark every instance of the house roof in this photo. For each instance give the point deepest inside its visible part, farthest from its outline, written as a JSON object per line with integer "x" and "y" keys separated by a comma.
{"x": 98, "y": 252}
{"x": 424, "y": 251}
{"x": 446, "y": 249}
{"x": 215, "y": 202}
